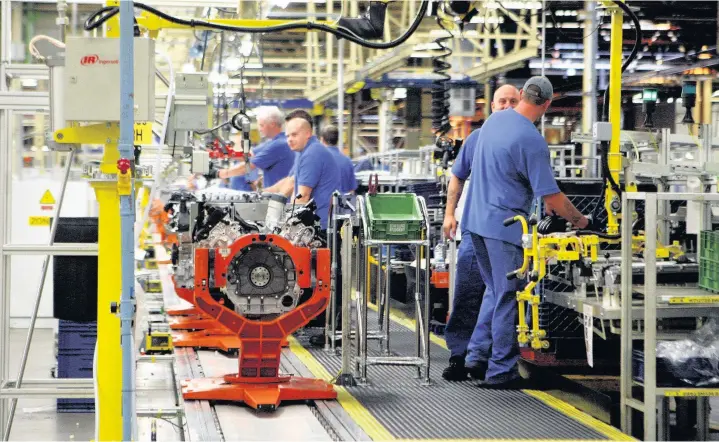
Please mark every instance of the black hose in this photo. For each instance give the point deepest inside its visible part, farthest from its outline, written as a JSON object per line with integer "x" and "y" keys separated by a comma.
{"x": 599, "y": 234}
{"x": 95, "y": 21}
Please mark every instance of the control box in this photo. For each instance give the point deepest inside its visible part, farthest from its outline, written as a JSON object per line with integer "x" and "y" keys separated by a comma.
{"x": 192, "y": 105}
{"x": 92, "y": 79}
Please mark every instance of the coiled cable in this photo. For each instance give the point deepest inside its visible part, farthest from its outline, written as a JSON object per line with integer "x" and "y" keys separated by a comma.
{"x": 440, "y": 88}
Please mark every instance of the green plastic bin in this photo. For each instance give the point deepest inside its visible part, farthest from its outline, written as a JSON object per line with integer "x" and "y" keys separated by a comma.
{"x": 709, "y": 275}
{"x": 394, "y": 217}
{"x": 710, "y": 245}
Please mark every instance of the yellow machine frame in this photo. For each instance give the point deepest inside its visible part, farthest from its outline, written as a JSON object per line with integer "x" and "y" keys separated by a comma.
{"x": 109, "y": 366}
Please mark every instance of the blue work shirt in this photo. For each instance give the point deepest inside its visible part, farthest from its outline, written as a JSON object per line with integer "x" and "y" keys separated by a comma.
{"x": 348, "y": 181}
{"x": 462, "y": 166}
{"x": 275, "y": 158}
{"x": 365, "y": 164}
{"x": 316, "y": 168}
{"x": 511, "y": 167}
{"x": 242, "y": 182}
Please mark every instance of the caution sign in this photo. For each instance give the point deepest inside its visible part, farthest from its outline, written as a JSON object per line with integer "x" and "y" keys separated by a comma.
{"x": 47, "y": 198}
{"x": 143, "y": 133}
{"x": 39, "y": 221}
{"x": 694, "y": 300}
{"x": 693, "y": 392}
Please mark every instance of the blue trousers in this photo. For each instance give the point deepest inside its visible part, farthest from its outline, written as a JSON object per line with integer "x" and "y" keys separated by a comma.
{"x": 468, "y": 289}
{"x": 496, "y": 332}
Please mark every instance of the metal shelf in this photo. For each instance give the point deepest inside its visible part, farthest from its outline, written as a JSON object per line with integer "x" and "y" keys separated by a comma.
{"x": 664, "y": 309}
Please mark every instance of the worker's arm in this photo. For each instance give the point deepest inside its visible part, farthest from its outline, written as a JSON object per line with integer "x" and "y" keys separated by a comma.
{"x": 559, "y": 204}
{"x": 236, "y": 170}
{"x": 454, "y": 192}
{"x": 284, "y": 187}
{"x": 461, "y": 169}
{"x": 304, "y": 194}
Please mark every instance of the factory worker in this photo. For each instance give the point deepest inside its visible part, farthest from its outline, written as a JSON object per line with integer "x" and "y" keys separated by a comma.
{"x": 246, "y": 182}
{"x": 468, "y": 285}
{"x": 315, "y": 175}
{"x": 273, "y": 157}
{"x": 511, "y": 166}
{"x": 348, "y": 181}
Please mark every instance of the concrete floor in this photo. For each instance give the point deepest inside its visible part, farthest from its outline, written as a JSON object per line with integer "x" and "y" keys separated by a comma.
{"x": 37, "y": 419}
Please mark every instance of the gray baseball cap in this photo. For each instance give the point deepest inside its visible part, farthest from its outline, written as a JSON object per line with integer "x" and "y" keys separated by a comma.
{"x": 539, "y": 87}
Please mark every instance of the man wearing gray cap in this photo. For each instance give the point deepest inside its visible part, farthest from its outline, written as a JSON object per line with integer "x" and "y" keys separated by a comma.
{"x": 511, "y": 167}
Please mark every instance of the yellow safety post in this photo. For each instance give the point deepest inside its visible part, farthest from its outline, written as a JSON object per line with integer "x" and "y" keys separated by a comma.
{"x": 109, "y": 350}
{"x": 614, "y": 157}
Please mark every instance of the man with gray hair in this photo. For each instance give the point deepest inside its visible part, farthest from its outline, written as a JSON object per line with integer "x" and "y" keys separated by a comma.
{"x": 511, "y": 167}
{"x": 274, "y": 157}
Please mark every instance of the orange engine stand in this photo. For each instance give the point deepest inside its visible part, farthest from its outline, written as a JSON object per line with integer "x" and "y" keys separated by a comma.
{"x": 258, "y": 382}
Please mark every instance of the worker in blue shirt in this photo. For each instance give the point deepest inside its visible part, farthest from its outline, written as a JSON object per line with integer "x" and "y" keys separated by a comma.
{"x": 273, "y": 157}
{"x": 246, "y": 182}
{"x": 348, "y": 181}
{"x": 468, "y": 285}
{"x": 511, "y": 167}
{"x": 316, "y": 175}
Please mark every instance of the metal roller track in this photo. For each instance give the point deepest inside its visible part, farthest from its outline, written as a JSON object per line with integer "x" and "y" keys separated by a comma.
{"x": 450, "y": 410}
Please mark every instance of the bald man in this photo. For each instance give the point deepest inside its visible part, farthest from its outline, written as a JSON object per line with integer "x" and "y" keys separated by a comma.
{"x": 468, "y": 286}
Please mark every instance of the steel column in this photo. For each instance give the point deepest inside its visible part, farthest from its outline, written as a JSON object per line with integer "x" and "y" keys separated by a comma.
{"x": 626, "y": 320}
{"x": 127, "y": 216}
{"x": 650, "y": 318}
{"x": 589, "y": 83}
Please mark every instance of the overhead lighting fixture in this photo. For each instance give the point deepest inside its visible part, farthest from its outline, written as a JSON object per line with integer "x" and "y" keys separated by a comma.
{"x": 487, "y": 20}
{"x": 28, "y": 83}
{"x": 246, "y": 48}
{"x": 514, "y": 5}
{"x": 188, "y": 68}
{"x": 232, "y": 63}
{"x": 253, "y": 65}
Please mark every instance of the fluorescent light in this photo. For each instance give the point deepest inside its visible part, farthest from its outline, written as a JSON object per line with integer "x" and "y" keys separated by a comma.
{"x": 400, "y": 93}
{"x": 246, "y": 48}
{"x": 253, "y": 65}
{"x": 490, "y": 20}
{"x": 188, "y": 68}
{"x": 232, "y": 63}
{"x": 28, "y": 82}
{"x": 514, "y": 5}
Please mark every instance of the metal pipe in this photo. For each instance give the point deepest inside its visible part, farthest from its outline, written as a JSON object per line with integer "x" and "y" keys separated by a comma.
{"x": 340, "y": 92}
{"x": 544, "y": 49}
{"x": 5, "y": 267}
{"x": 387, "y": 298}
{"x": 127, "y": 217}
{"x": 589, "y": 86}
{"x": 346, "y": 300}
{"x": 38, "y": 295}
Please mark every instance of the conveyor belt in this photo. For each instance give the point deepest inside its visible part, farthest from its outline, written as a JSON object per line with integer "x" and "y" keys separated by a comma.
{"x": 402, "y": 408}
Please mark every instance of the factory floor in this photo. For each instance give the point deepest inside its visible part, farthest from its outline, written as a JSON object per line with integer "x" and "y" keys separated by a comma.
{"x": 37, "y": 419}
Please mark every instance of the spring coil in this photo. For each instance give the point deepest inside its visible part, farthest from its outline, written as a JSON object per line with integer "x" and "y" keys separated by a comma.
{"x": 440, "y": 89}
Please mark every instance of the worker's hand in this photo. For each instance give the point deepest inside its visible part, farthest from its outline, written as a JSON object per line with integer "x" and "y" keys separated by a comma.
{"x": 551, "y": 224}
{"x": 450, "y": 226}
{"x": 213, "y": 173}
{"x": 592, "y": 225}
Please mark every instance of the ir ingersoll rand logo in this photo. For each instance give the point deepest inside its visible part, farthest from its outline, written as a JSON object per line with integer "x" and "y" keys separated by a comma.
{"x": 89, "y": 59}
{"x": 93, "y": 59}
